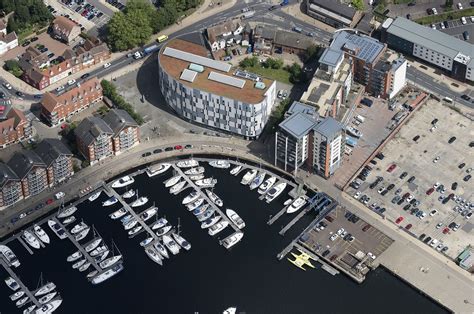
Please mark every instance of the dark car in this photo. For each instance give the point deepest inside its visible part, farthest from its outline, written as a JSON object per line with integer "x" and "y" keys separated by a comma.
{"x": 146, "y": 154}
{"x": 380, "y": 156}
{"x": 454, "y": 186}
{"x": 84, "y": 76}
{"x": 2, "y": 95}
{"x": 400, "y": 202}
{"x": 384, "y": 192}
{"x": 273, "y": 7}
{"x": 373, "y": 162}
{"x": 407, "y": 207}
{"x": 354, "y": 219}
{"x": 403, "y": 175}
{"x": 100, "y": 14}
{"x": 467, "y": 178}
{"x": 157, "y": 151}
{"x": 411, "y": 4}
{"x": 390, "y": 187}
{"x": 452, "y": 139}
{"x": 26, "y": 43}
{"x": 329, "y": 218}
{"x": 51, "y": 55}
{"x": 168, "y": 149}
{"x": 188, "y": 146}
{"x": 33, "y": 39}
{"x": 38, "y": 96}
{"x": 20, "y": 94}
{"x": 466, "y": 97}
{"x": 461, "y": 165}
{"x": 409, "y": 16}
{"x": 408, "y": 227}
{"x": 326, "y": 253}
{"x": 15, "y": 219}
{"x": 416, "y": 138}
{"x": 422, "y": 236}
{"x": 412, "y": 178}
{"x": 428, "y": 239}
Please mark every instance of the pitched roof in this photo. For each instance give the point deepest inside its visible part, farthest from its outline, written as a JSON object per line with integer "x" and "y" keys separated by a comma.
{"x": 90, "y": 128}
{"x": 50, "y": 149}
{"x": 8, "y": 38}
{"x": 63, "y": 24}
{"x": 2, "y": 24}
{"x": 290, "y": 39}
{"x": 23, "y": 161}
{"x": 217, "y": 31}
{"x": 118, "y": 119}
{"x": 6, "y": 174}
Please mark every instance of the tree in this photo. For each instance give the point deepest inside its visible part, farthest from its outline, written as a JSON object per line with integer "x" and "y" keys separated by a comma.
{"x": 311, "y": 53}
{"x": 273, "y": 63}
{"x": 13, "y": 67}
{"x": 249, "y": 62}
{"x": 295, "y": 73}
{"x": 358, "y": 4}
{"x": 448, "y": 4}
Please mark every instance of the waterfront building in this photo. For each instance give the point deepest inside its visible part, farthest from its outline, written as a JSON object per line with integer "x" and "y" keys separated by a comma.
{"x": 126, "y": 133}
{"x": 94, "y": 139}
{"x": 31, "y": 170}
{"x": 10, "y": 187}
{"x": 58, "y": 160}
{"x": 14, "y": 127}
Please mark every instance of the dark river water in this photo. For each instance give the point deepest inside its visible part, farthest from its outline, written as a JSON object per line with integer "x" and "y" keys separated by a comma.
{"x": 207, "y": 279}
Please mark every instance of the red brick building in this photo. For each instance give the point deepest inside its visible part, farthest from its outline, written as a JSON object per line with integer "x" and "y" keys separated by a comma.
{"x": 14, "y": 128}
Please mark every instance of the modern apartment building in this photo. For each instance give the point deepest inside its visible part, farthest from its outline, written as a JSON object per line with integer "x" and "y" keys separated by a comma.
{"x": 31, "y": 171}
{"x": 94, "y": 139}
{"x": 10, "y": 187}
{"x": 58, "y": 160}
{"x": 125, "y": 130}
{"x": 207, "y": 92}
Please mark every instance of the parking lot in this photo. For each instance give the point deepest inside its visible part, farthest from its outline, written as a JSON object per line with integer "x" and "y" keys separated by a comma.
{"x": 93, "y": 11}
{"x": 424, "y": 179}
{"x": 456, "y": 28}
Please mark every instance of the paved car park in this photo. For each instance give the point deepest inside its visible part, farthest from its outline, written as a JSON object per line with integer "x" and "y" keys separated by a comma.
{"x": 425, "y": 184}
{"x": 91, "y": 10}
{"x": 456, "y": 28}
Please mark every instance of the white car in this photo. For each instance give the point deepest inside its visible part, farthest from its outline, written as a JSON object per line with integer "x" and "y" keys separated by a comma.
{"x": 463, "y": 20}
{"x": 433, "y": 242}
{"x": 439, "y": 225}
{"x": 435, "y": 12}
{"x": 472, "y": 19}
{"x": 381, "y": 190}
{"x": 442, "y": 27}
{"x": 60, "y": 88}
{"x": 439, "y": 247}
{"x": 333, "y": 237}
{"x": 459, "y": 6}
{"x": 106, "y": 65}
{"x": 410, "y": 198}
{"x": 71, "y": 82}
{"x": 7, "y": 86}
{"x": 357, "y": 195}
{"x": 340, "y": 231}
{"x": 371, "y": 255}
{"x": 433, "y": 212}
{"x": 422, "y": 216}
{"x": 435, "y": 186}
{"x": 433, "y": 26}
{"x": 59, "y": 195}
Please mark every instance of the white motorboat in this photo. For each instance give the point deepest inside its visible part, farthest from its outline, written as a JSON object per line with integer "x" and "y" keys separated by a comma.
{"x": 161, "y": 249}
{"x": 124, "y": 181}
{"x": 157, "y": 169}
{"x": 74, "y": 256}
{"x": 149, "y": 213}
{"x": 22, "y": 301}
{"x": 195, "y": 204}
{"x": 146, "y": 241}
{"x": 194, "y": 171}
{"x": 29, "y": 310}
{"x": 126, "y": 219}
{"x": 95, "y": 196}
{"x": 17, "y": 295}
{"x": 187, "y": 163}
{"x": 230, "y": 310}
{"x": 214, "y": 198}
{"x": 163, "y": 230}
{"x": 196, "y": 177}
{"x": 135, "y": 230}
{"x": 248, "y": 177}
{"x": 235, "y": 170}
{"x": 181, "y": 241}
{"x": 275, "y": 191}
{"x": 47, "y": 288}
{"x": 81, "y": 235}
{"x": 232, "y": 240}
{"x": 206, "y": 183}
{"x": 221, "y": 164}
{"x": 218, "y": 227}
{"x": 200, "y": 209}
{"x": 118, "y": 213}
{"x": 296, "y": 205}
{"x": 172, "y": 181}
{"x": 92, "y": 274}
{"x": 257, "y": 181}
{"x": 84, "y": 267}
{"x": 30, "y": 239}
{"x": 109, "y": 273}
{"x": 68, "y": 220}
{"x": 175, "y": 189}
{"x": 129, "y": 194}
{"x": 110, "y": 261}
{"x": 50, "y": 307}
{"x": 67, "y": 212}
{"x": 235, "y": 218}
{"x": 267, "y": 185}
{"x": 210, "y": 222}
{"x": 140, "y": 202}
{"x": 93, "y": 244}
{"x": 171, "y": 244}
{"x": 79, "y": 227}
{"x": 206, "y": 215}
{"x": 129, "y": 225}
{"x": 9, "y": 256}
{"x": 78, "y": 264}
{"x": 60, "y": 233}
{"x": 99, "y": 250}
{"x": 12, "y": 284}
{"x": 353, "y": 131}
{"x": 48, "y": 297}
{"x": 101, "y": 257}
{"x": 154, "y": 255}
{"x": 111, "y": 201}
{"x": 194, "y": 195}
{"x": 159, "y": 223}
{"x": 288, "y": 202}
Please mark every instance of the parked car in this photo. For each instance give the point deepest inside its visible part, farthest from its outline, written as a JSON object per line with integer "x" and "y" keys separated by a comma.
{"x": 403, "y": 175}
{"x": 399, "y": 220}
{"x": 392, "y": 167}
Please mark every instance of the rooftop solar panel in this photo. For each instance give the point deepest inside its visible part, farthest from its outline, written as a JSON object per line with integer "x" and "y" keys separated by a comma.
{"x": 226, "y": 79}
{"x": 190, "y": 57}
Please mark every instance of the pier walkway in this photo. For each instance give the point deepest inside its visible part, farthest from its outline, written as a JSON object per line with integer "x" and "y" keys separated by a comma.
{"x": 21, "y": 284}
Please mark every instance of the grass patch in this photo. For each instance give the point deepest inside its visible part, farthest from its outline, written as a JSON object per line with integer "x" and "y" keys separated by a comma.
{"x": 402, "y": 1}
{"x": 431, "y": 19}
{"x": 279, "y": 75}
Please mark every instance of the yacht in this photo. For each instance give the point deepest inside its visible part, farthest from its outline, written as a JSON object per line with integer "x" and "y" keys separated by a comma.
{"x": 30, "y": 239}
{"x": 267, "y": 185}
{"x": 12, "y": 284}
{"x": 78, "y": 228}
{"x": 84, "y": 267}
{"x": 196, "y": 177}
{"x": 288, "y": 202}
{"x": 22, "y": 301}
{"x": 17, "y": 295}
{"x": 172, "y": 181}
{"x": 57, "y": 229}
{"x": 163, "y": 230}
{"x": 101, "y": 257}
{"x": 276, "y": 190}
{"x": 30, "y": 309}
{"x": 149, "y": 213}
{"x": 221, "y": 164}
{"x": 214, "y": 198}
{"x": 9, "y": 256}
{"x": 200, "y": 209}
{"x": 154, "y": 255}
{"x": 206, "y": 215}
{"x": 74, "y": 256}
{"x": 67, "y": 212}
{"x": 175, "y": 189}
{"x": 257, "y": 181}
{"x": 210, "y": 222}
{"x": 107, "y": 274}
{"x": 195, "y": 204}
{"x": 146, "y": 241}
{"x": 110, "y": 261}
{"x": 95, "y": 196}
{"x": 353, "y": 131}
{"x": 119, "y": 213}
{"x": 161, "y": 249}
{"x": 230, "y": 310}
{"x": 129, "y": 225}
{"x": 139, "y": 202}
{"x": 159, "y": 223}
{"x": 48, "y": 297}
{"x": 296, "y": 205}
{"x": 171, "y": 244}
{"x": 93, "y": 244}
{"x": 99, "y": 250}
{"x": 111, "y": 201}
{"x": 47, "y": 288}
{"x": 248, "y": 177}
{"x": 124, "y": 181}
{"x": 68, "y": 220}
{"x": 50, "y": 307}
{"x": 129, "y": 194}
{"x": 218, "y": 227}
{"x": 181, "y": 241}
{"x": 157, "y": 169}
{"x": 79, "y": 263}
{"x": 206, "y": 183}
{"x": 235, "y": 218}
{"x": 194, "y": 171}
{"x": 187, "y": 163}
{"x": 194, "y": 195}
{"x": 235, "y": 170}
{"x": 126, "y": 219}
{"x": 232, "y": 240}
{"x": 81, "y": 235}
{"x": 135, "y": 230}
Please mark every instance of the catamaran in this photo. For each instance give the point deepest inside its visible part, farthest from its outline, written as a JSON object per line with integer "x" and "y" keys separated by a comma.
{"x": 109, "y": 273}
{"x": 135, "y": 230}
{"x": 48, "y": 297}
{"x": 79, "y": 227}
{"x": 353, "y": 131}
{"x": 41, "y": 234}
{"x": 195, "y": 204}
{"x": 172, "y": 181}
{"x": 232, "y": 240}
{"x": 187, "y": 163}
{"x": 235, "y": 170}
{"x": 95, "y": 196}
{"x": 221, "y": 164}
{"x": 146, "y": 241}
{"x": 257, "y": 181}
{"x": 194, "y": 195}
{"x": 206, "y": 183}
{"x": 194, "y": 171}
{"x": 17, "y": 295}
{"x": 12, "y": 284}
{"x": 154, "y": 255}
{"x": 171, "y": 244}
{"x": 67, "y": 212}
{"x": 139, "y": 202}
{"x": 110, "y": 261}
{"x": 68, "y": 220}
{"x": 118, "y": 213}
{"x": 79, "y": 263}
{"x": 248, "y": 177}
{"x": 163, "y": 230}
{"x": 161, "y": 249}
{"x": 157, "y": 169}
{"x": 124, "y": 181}
{"x": 47, "y": 288}
{"x": 266, "y": 185}
{"x": 297, "y": 262}
{"x": 81, "y": 235}
{"x": 129, "y": 194}
{"x": 111, "y": 201}
{"x": 159, "y": 223}
{"x": 149, "y": 213}
{"x": 92, "y": 245}
{"x": 214, "y": 198}
{"x": 60, "y": 233}
{"x": 296, "y": 205}
{"x": 196, "y": 177}
{"x": 31, "y": 239}
{"x": 276, "y": 190}
{"x": 9, "y": 256}
{"x": 181, "y": 241}
{"x": 175, "y": 189}
{"x": 74, "y": 256}
{"x": 210, "y": 222}
{"x": 235, "y": 218}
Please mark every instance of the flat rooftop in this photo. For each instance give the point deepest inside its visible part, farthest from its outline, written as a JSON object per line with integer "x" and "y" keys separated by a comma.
{"x": 175, "y": 66}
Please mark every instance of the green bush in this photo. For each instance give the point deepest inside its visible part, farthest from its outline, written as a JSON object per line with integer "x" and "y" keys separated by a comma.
{"x": 13, "y": 67}
{"x": 109, "y": 91}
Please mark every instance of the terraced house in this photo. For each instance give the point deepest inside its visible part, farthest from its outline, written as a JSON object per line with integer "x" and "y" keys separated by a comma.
{"x": 125, "y": 130}
{"x": 94, "y": 139}
{"x": 14, "y": 128}
{"x": 10, "y": 187}
{"x": 31, "y": 171}
{"x": 58, "y": 160}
